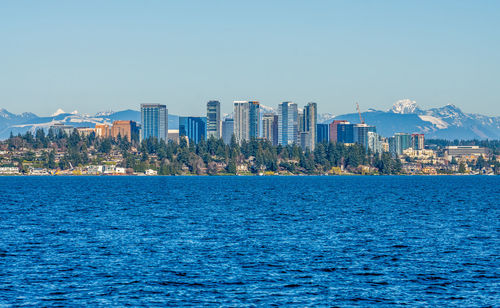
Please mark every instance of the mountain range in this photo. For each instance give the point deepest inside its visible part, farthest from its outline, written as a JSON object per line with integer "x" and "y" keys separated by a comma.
{"x": 447, "y": 122}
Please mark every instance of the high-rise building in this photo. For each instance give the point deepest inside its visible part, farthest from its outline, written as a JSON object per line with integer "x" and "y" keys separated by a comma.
{"x": 102, "y": 130}
{"x": 399, "y": 143}
{"x": 304, "y": 140}
{"x": 361, "y": 133}
{"x": 288, "y": 123}
{"x": 270, "y": 127}
{"x": 375, "y": 142}
{"x": 417, "y": 141}
{"x": 323, "y": 135}
{"x": 214, "y": 124}
{"x": 246, "y": 120}
{"x": 308, "y": 125}
{"x": 194, "y": 128}
{"x": 241, "y": 121}
{"x": 254, "y": 119}
{"x": 333, "y": 129}
{"x": 125, "y": 129}
{"x": 154, "y": 120}
{"x": 227, "y": 130}
{"x": 345, "y": 132}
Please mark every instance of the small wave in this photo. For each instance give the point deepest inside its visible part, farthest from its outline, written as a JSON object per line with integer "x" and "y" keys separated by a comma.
{"x": 400, "y": 246}
{"x": 368, "y": 274}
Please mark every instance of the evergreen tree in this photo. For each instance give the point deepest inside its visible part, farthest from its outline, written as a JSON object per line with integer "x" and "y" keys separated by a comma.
{"x": 461, "y": 168}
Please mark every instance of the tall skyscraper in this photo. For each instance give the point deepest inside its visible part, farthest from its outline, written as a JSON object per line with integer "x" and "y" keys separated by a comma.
{"x": 333, "y": 129}
{"x": 227, "y": 130}
{"x": 254, "y": 119}
{"x": 214, "y": 124}
{"x": 322, "y": 133}
{"x": 301, "y": 136}
{"x": 308, "y": 125}
{"x": 154, "y": 120}
{"x": 194, "y": 128}
{"x": 399, "y": 143}
{"x": 375, "y": 143}
{"x": 361, "y": 133}
{"x": 241, "y": 121}
{"x": 288, "y": 123}
{"x": 345, "y": 132}
{"x": 417, "y": 141}
{"x": 270, "y": 127}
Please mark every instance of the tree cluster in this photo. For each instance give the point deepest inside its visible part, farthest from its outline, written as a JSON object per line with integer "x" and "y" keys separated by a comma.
{"x": 210, "y": 156}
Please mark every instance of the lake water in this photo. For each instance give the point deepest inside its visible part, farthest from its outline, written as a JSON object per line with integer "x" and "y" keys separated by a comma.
{"x": 250, "y": 241}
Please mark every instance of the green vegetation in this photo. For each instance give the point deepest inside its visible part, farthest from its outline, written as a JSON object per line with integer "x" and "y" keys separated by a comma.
{"x": 58, "y": 150}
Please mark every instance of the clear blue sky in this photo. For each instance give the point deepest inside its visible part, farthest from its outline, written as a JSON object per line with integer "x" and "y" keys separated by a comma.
{"x": 102, "y": 55}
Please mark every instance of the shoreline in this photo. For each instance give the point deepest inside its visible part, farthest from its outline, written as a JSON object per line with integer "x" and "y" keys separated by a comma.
{"x": 234, "y": 175}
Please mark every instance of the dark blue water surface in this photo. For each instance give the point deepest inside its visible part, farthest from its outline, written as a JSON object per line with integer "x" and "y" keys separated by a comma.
{"x": 250, "y": 241}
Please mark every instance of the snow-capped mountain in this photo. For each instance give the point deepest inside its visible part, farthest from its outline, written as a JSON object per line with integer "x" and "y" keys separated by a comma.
{"x": 447, "y": 122}
{"x": 325, "y": 117}
{"x": 405, "y": 106}
{"x": 267, "y": 109}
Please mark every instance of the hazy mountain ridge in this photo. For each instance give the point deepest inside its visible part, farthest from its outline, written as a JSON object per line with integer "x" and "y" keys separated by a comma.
{"x": 19, "y": 124}
{"x": 447, "y": 122}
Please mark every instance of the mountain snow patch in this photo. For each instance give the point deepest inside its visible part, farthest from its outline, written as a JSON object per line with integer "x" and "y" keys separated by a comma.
{"x": 58, "y": 112}
{"x": 405, "y": 106}
{"x": 436, "y": 121}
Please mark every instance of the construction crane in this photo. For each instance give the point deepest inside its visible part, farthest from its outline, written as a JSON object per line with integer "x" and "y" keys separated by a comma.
{"x": 359, "y": 112}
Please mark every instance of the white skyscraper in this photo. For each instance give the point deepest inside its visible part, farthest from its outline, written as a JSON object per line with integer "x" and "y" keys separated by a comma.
{"x": 241, "y": 118}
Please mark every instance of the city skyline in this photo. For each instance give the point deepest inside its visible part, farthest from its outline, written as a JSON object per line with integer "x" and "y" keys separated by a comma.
{"x": 333, "y": 53}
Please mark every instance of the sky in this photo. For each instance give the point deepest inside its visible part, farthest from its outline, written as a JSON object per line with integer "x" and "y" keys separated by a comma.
{"x": 95, "y": 56}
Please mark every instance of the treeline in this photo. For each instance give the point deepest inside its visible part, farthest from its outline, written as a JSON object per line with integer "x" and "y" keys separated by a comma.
{"x": 210, "y": 156}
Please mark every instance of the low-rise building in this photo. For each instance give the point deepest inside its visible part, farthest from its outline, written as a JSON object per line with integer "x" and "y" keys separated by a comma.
{"x": 125, "y": 129}
{"x": 151, "y": 172}
{"x": 108, "y": 169}
{"x": 120, "y": 170}
{"x": 9, "y": 170}
{"x": 60, "y": 127}
{"x": 173, "y": 134}
{"x": 85, "y": 131}
{"x": 468, "y": 152}
{"x": 419, "y": 154}
{"x": 95, "y": 169}
{"x": 38, "y": 171}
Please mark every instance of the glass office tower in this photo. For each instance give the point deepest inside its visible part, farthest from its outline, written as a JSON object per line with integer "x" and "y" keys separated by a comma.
{"x": 154, "y": 120}
{"x": 213, "y": 120}
{"x": 288, "y": 123}
{"x": 194, "y": 128}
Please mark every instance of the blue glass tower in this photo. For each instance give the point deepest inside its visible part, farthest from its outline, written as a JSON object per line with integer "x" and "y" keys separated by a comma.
{"x": 154, "y": 119}
{"x": 345, "y": 133}
{"x": 195, "y": 128}
{"x": 322, "y": 133}
{"x": 254, "y": 119}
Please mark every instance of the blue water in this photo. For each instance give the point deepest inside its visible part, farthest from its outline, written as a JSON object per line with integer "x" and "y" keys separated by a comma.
{"x": 250, "y": 241}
